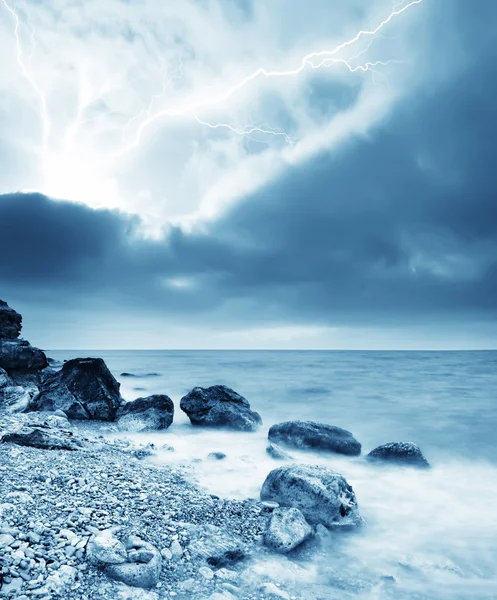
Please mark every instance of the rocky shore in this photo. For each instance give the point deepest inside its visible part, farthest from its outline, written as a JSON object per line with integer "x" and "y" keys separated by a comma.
{"x": 83, "y": 517}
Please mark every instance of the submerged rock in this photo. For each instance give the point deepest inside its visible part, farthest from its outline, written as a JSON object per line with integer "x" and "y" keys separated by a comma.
{"x": 276, "y": 452}
{"x": 220, "y": 406}
{"x": 45, "y": 438}
{"x": 216, "y": 455}
{"x": 146, "y": 414}
{"x": 322, "y": 495}
{"x": 316, "y": 436}
{"x": 286, "y": 529}
{"x": 405, "y": 453}
{"x": 10, "y": 322}
{"x": 19, "y": 355}
{"x": 84, "y": 389}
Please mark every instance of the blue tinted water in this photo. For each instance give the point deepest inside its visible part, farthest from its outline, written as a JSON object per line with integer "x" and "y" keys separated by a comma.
{"x": 434, "y": 531}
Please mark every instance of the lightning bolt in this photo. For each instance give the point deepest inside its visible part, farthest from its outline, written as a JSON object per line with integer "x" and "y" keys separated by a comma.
{"x": 195, "y": 106}
{"x": 27, "y": 74}
{"x": 323, "y": 58}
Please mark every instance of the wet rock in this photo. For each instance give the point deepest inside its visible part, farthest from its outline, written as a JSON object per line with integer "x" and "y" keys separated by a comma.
{"x": 144, "y": 452}
{"x": 277, "y": 453}
{"x": 218, "y": 548}
{"x": 220, "y": 406}
{"x": 84, "y": 389}
{"x": 316, "y": 436}
{"x": 45, "y": 438}
{"x": 146, "y": 414}
{"x": 405, "y": 453}
{"x": 322, "y": 495}
{"x": 10, "y": 322}
{"x": 19, "y": 355}
{"x": 216, "y": 455}
{"x": 286, "y": 529}
{"x": 137, "y": 574}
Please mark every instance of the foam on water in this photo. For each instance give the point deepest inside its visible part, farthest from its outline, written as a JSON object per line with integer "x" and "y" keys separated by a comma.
{"x": 434, "y": 531}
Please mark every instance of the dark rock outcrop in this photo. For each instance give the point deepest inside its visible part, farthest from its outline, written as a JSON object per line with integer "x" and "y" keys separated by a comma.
{"x": 19, "y": 355}
{"x": 219, "y": 406}
{"x": 286, "y": 529}
{"x": 405, "y": 453}
{"x": 315, "y": 436}
{"x": 84, "y": 389}
{"x": 322, "y": 495}
{"x": 146, "y": 414}
{"x": 10, "y": 322}
{"x": 43, "y": 437}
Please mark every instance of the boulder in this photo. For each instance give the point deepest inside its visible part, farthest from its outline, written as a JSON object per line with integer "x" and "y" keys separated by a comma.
{"x": 10, "y": 322}
{"x": 219, "y": 406}
{"x": 277, "y": 453}
{"x": 322, "y": 495}
{"x": 315, "y": 436}
{"x": 286, "y": 529}
{"x": 16, "y": 398}
{"x": 146, "y": 414}
{"x": 84, "y": 389}
{"x": 19, "y": 355}
{"x": 43, "y": 437}
{"x": 142, "y": 568}
{"x": 405, "y": 453}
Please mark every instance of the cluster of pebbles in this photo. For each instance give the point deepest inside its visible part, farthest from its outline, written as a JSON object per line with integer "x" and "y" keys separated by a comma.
{"x": 54, "y": 504}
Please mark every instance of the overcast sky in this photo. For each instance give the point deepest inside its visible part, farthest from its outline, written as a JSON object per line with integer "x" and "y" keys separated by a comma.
{"x": 242, "y": 174}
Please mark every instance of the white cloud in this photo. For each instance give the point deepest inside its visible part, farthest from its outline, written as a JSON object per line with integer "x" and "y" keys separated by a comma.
{"x": 107, "y": 68}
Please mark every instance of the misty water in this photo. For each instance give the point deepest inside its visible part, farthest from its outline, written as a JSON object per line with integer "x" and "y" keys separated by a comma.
{"x": 434, "y": 531}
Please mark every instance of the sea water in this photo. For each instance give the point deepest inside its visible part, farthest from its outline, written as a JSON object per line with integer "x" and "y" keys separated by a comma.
{"x": 429, "y": 534}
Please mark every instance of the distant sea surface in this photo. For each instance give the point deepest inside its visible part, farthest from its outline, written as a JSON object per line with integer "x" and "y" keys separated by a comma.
{"x": 434, "y": 532}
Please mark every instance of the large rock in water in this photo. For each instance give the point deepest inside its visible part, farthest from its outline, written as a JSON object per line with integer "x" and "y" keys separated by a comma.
{"x": 19, "y": 355}
{"x": 10, "y": 322}
{"x": 286, "y": 529}
{"x": 322, "y": 495}
{"x": 146, "y": 414}
{"x": 315, "y": 436}
{"x": 84, "y": 389}
{"x": 405, "y": 453}
{"x": 219, "y": 406}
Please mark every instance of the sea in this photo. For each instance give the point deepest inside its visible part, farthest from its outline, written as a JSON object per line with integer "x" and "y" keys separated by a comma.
{"x": 428, "y": 534}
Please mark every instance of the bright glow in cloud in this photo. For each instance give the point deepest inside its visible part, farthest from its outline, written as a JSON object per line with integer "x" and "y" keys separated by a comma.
{"x": 174, "y": 113}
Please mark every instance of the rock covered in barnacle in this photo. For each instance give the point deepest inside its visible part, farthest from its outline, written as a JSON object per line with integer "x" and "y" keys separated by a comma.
{"x": 220, "y": 406}
{"x": 322, "y": 495}
{"x": 405, "y": 453}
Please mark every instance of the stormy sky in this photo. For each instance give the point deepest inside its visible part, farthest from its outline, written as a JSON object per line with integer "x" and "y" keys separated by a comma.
{"x": 235, "y": 174}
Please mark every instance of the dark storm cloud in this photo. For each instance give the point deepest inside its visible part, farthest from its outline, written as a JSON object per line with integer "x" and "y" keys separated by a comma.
{"x": 401, "y": 225}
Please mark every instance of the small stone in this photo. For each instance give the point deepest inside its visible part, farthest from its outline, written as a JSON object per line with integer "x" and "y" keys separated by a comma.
{"x": 166, "y": 554}
{"x": 6, "y": 540}
{"x": 216, "y": 455}
{"x": 206, "y": 573}
{"x": 176, "y": 549}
